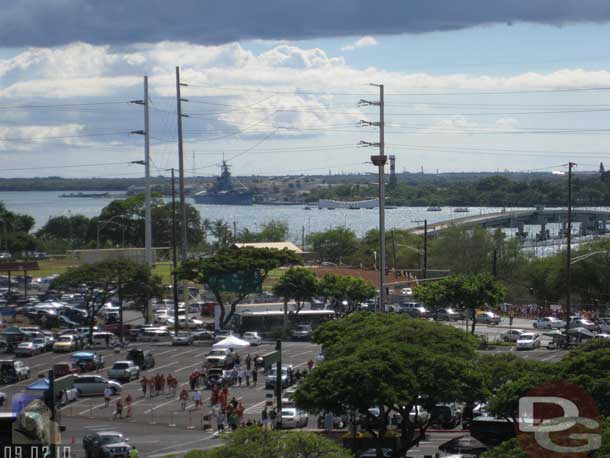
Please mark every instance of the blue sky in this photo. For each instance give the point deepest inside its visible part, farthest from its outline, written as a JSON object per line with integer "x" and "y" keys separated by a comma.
{"x": 275, "y": 105}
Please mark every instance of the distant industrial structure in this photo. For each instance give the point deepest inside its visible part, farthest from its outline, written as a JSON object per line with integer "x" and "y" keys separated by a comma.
{"x": 393, "y": 181}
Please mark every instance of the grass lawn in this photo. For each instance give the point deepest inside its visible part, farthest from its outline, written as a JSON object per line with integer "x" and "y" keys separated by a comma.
{"x": 53, "y": 266}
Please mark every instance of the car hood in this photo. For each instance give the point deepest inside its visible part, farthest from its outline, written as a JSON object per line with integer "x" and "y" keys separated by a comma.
{"x": 116, "y": 445}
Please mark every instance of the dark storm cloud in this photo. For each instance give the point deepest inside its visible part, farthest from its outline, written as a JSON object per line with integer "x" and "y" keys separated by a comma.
{"x": 57, "y": 22}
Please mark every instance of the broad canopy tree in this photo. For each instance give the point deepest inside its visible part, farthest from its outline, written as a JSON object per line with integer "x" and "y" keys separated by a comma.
{"x": 345, "y": 293}
{"x": 233, "y": 273}
{"x": 298, "y": 284}
{"x": 100, "y": 281}
{"x": 394, "y": 363}
{"x": 472, "y": 292}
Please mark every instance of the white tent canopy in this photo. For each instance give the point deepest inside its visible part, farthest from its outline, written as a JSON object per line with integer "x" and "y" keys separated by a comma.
{"x": 231, "y": 342}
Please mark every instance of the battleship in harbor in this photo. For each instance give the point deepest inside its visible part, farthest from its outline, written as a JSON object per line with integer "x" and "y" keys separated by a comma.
{"x": 224, "y": 192}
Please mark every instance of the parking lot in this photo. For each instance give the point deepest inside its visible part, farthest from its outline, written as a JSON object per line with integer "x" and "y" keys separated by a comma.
{"x": 158, "y": 426}
{"x": 162, "y": 413}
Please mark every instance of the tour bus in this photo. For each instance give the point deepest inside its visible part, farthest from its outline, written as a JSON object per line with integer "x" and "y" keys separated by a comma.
{"x": 268, "y": 322}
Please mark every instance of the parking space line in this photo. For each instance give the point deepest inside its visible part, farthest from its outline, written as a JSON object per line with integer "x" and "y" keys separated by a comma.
{"x": 249, "y": 409}
{"x": 302, "y": 353}
{"x": 187, "y": 367}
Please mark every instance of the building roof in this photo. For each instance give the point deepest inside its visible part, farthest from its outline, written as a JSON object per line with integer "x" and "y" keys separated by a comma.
{"x": 277, "y": 245}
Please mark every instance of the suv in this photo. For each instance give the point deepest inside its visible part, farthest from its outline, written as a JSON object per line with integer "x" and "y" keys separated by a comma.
{"x": 124, "y": 370}
{"x": 302, "y": 331}
{"x": 287, "y": 376}
{"x": 445, "y": 415}
{"x": 142, "y": 358}
{"x": 106, "y": 444}
{"x": 13, "y": 371}
{"x": 488, "y": 318}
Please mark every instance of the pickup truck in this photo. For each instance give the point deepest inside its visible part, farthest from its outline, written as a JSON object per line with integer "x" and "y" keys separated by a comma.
{"x": 13, "y": 371}
{"x": 106, "y": 444}
{"x": 220, "y": 357}
{"x": 124, "y": 370}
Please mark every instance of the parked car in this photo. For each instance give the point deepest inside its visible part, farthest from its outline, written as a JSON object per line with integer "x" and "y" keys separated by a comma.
{"x": 445, "y": 415}
{"x": 287, "y": 376}
{"x": 61, "y": 369}
{"x": 406, "y": 291}
{"x": 203, "y": 336}
{"x": 13, "y": 371}
{"x": 447, "y": 314}
{"x": 293, "y": 417}
{"x": 88, "y": 360}
{"x": 604, "y": 325}
{"x": 106, "y": 444}
{"x": 404, "y": 307}
{"x": 528, "y": 341}
{"x": 372, "y": 453}
{"x": 94, "y": 385}
{"x": 253, "y": 337}
{"x": 2, "y": 398}
{"x": 583, "y": 323}
{"x": 124, "y": 371}
{"x": 142, "y": 358}
{"x": 488, "y": 318}
{"x": 28, "y": 349}
{"x": 221, "y": 334}
{"x": 549, "y": 322}
{"x": 219, "y": 376}
{"x": 220, "y": 357}
{"x": 512, "y": 335}
{"x": 301, "y": 332}
{"x": 45, "y": 342}
{"x": 65, "y": 343}
{"x": 182, "y": 338}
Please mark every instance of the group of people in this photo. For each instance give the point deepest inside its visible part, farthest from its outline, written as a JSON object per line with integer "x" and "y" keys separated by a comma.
{"x": 231, "y": 412}
{"x": 120, "y": 404}
{"x": 155, "y": 385}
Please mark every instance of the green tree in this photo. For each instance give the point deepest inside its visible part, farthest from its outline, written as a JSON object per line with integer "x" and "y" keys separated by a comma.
{"x": 233, "y": 273}
{"x": 345, "y": 293}
{"x": 507, "y": 449}
{"x": 472, "y": 293}
{"x": 334, "y": 245}
{"x": 298, "y": 284}
{"x": 220, "y": 232}
{"x": 256, "y": 442}
{"x": 21, "y": 243}
{"x": 75, "y": 231}
{"x": 394, "y": 363}
{"x": 100, "y": 281}
{"x": 273, "y": 231}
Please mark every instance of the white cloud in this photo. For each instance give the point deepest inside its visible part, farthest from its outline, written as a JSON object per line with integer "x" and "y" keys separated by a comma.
{"x": 363, "y": 42}
{"x": 29, "y": 137}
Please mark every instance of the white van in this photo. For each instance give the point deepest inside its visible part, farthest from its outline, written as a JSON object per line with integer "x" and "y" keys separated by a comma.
{"x": 98, "y": 339}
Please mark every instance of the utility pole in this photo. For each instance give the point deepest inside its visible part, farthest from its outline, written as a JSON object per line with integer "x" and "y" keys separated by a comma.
{"x": 569, "y": 251}
{"x": 179, "y": 100}
{"x": 303, "y": 238}
{"x": 379, "y": 161}
{"x": 174, "y": 255}
{"x": 394, "y": 251}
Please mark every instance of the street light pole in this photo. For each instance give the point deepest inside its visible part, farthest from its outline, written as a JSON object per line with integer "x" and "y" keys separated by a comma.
{"x": 425, "y": 253}
{"x": 569, "y": 251}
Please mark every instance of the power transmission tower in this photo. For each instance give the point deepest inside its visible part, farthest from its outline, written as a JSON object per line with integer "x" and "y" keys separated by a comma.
{"x": 379, "y": 161}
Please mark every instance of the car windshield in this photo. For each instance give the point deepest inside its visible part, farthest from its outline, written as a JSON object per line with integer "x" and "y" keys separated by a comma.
{"x": 526, "y": 337}
{"x": 39, "y": 341}
{"x": 120, "y": 366}
{"x": 111, "y": 439}
{"x": 216, "y": 353}
{"x": 65, "y": 339}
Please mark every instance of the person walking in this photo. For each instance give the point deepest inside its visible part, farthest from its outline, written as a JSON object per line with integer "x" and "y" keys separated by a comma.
{"x": 247, "y": 375}
{"x": 254, "y": 377}
{"x": 239, "y": 411}
{"x": 232, "y": 420}
{"x": 197, "y": 399}
{"x": 310, "y": 364}
{"x": 265, "y": 418}
{"x": 107, "y": 395}
{"x": 134, "y": 452}
{"x": 144, "y": 384}
{"x": 248, "y": 362}
{"x": 220, "y": 421}
{"x": 119, "y": 409}
{"x": 240, "y": 376}
{"x": 151, "y": 387}
{"x": 128, "y": 401}
{"x": 273, "y": 418}
{"x": 183, "y": 398}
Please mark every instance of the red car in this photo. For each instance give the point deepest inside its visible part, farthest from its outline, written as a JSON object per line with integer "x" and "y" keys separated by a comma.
{"x": 61, "y": 369}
